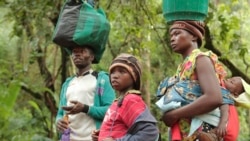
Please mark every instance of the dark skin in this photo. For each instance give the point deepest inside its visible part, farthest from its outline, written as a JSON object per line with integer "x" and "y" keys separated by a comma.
{"x": 121, "y": 81}
{"x": 235, "y": 86}
{"x": 95, "y": 135}
{"x": 82, "y": 58}
{"x": 184, "y": 43}
{"x": 222, "y": 126}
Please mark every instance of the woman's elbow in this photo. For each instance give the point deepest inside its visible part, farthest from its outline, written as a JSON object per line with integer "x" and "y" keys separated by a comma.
{"x": 217, "y": 100}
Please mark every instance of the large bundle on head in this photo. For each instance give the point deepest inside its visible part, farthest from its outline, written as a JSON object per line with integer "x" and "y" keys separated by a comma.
{"x": 80, "y": 24}
{"x": 179, "y": 10}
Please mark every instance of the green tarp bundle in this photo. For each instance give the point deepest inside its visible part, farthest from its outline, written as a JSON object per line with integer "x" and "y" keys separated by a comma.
{"x": 80, "y": 24}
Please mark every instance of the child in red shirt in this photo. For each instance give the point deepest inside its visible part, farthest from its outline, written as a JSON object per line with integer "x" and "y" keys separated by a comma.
{"x": 128, "y": 118}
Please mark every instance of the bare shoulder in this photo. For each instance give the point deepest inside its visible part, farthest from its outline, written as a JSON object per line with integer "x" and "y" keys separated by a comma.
{"x": 207, "y": 75}
{"x": 204, "y": 64}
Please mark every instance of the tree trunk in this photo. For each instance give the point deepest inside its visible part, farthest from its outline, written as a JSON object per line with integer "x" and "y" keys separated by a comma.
{"x": 146, "y": 80}
{"x": 234, "y": 70}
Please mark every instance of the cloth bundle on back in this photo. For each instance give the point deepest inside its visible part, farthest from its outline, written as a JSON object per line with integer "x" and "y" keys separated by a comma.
{"x": 81, "y": 24}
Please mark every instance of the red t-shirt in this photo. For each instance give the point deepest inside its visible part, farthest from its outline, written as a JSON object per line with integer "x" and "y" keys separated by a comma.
{"x": 118, "y": 120}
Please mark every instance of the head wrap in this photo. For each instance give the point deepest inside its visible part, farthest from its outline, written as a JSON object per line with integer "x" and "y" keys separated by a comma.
{"x": 130, "y": 63}
{"x": 196, "y": 28}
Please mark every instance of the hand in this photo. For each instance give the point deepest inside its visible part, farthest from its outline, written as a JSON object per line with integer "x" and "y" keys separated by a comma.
{"x": 169, "y": 118}
{"x": 76, "y": 108}
{"x": 61, "y": 125}
{"x": 221, "y": 131}
{"x": 108, "y": 139}
{"x": 95, "y": 135}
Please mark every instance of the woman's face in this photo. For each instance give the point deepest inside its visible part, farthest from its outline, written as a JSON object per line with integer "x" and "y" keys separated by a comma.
{"x": 181, "y": 40}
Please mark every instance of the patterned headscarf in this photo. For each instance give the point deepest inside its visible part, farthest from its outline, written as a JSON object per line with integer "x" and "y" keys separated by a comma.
{"x": 194, "y": 27}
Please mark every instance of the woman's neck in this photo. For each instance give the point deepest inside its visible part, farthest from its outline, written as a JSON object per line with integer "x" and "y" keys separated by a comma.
{"x": 188, "y": 51}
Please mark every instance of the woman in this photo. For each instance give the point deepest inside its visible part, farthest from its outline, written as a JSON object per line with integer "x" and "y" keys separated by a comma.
{"x": 186, "y": 38}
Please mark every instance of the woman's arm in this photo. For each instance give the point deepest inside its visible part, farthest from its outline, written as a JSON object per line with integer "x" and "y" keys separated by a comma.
{"x": 210, "y": 99}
